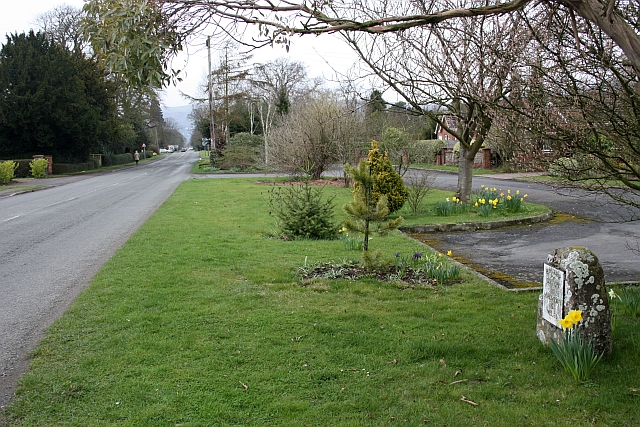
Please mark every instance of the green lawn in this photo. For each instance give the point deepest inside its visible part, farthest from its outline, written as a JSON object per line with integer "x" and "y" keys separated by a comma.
{"x": 201, "y": 320}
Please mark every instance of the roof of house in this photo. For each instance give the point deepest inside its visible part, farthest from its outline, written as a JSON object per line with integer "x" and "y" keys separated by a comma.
{"x": 450, "y": 121}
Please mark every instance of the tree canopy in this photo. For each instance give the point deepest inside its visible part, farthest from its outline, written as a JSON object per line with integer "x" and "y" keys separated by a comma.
{"x": 137, "y": 37}
{"x": 54, "y": 101}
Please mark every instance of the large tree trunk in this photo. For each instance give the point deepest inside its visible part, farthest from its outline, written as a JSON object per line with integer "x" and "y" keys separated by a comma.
{"x": 465, "y": 173}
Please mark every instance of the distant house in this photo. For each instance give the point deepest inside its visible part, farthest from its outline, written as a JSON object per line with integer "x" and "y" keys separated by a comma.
{"x": 444, "y": 135}
{"x": 446, "y": 155}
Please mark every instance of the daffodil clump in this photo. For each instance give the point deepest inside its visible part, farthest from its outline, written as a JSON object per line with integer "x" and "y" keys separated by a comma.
{"x": 350, "y": 243}
{"x": 484, "y": 206}
{"x": 575, "y": 353}
{"x": 627, "y": 302}
{"x": 451, "y": 206}
{"x": 436, "y": 267}
{"x": 485, "y": 202}
{"x": 488, "y": 199}
{"x": 441, "y": 269}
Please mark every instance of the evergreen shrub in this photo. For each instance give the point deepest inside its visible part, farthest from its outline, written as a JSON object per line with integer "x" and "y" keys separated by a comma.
{"x": 23, "y": 168}
{"x": 387, "y": 181}
{"x": 425, "y": 151}
{"x": 6, "y": 171}
{"x": 65, "y": 168}
{"x": 116, "y": 159}
{"x": 246, "y": 139}
{"x": 301, "y": 212}
{"x": 240, "y": 157}
{"x": 38, "y": 167}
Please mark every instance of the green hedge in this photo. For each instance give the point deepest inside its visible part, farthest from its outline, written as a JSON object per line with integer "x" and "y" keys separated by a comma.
{"x": 64, "y": 168}
{"x": 116, "y": 159}
{"x": 23, "y": 170}
{"x": 425, "y": 151}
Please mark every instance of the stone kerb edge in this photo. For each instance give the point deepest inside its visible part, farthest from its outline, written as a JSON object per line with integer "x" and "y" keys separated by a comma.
{"x": 474, "y": 226}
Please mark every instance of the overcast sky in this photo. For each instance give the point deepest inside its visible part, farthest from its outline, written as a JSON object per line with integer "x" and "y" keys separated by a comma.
{"x": 20, "y": 15}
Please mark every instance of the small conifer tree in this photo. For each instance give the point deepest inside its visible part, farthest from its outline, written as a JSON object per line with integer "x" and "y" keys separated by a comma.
{"x": 366, "y": 208}
{"x": 387, "y": 181}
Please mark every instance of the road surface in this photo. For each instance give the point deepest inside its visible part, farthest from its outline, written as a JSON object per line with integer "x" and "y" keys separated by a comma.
{"x": 52, "y": 242}
{"x": 518, "y": 253}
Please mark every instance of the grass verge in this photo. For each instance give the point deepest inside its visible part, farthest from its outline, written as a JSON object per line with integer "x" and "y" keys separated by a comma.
{"x": 201, "y": 320}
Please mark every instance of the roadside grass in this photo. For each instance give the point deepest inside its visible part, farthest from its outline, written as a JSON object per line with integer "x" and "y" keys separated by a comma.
{"x": 201, "y": 320}
{"x": 18, "y": 188}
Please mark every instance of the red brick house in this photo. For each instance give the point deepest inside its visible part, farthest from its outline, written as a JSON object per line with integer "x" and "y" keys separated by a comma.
{"x": 446, "y": 157}
{"x": 444, "y": 135}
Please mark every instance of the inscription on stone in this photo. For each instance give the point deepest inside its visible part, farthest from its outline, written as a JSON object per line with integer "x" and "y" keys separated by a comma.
{"x": 552, "y": 294}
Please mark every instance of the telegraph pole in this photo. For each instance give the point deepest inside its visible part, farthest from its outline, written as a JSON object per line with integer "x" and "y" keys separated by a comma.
{"x": 212, "y": 142}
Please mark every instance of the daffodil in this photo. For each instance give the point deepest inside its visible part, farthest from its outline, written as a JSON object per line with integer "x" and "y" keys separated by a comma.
{"x": 476, "y": 205}
{"x": 449, "y": 253}
{"x": 565, "y": 323}
{"x": 612, "y": 294}
{"x": 574, "y": 316}
{"x": 508, "y": 197}
{"x": 439, "y": 254}
{"x": 482, "y": 186}
{"x": 517, "y": 191}
{"x": 501, "y": 194}
{"x": 508, "y": 191}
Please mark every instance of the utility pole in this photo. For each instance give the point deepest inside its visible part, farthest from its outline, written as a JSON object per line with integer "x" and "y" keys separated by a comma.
{"x": 226, "y": 94}
{"x": 212, "y": 142}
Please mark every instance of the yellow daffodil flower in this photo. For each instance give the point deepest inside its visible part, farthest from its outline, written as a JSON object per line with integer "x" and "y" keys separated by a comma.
{"x": 508, "y": 197}
{"x": 508, "y": 191}
{"x": 565, "y": 323}
{"x": 476, "y": 205}
{"x": 501, "y": 194}
{"x": 574, "y": 316}
{"x": 439, "y": 254}
{"x": 449, "y": 253}
{"x": 517, "y": 191}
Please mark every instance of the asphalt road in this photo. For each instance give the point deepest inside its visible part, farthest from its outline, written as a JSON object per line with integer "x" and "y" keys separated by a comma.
{"x": 52, "y": 242}
{"x": 517, "y": 254}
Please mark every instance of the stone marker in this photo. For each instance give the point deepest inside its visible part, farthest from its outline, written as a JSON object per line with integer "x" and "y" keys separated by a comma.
{"x": 574, "y": 280}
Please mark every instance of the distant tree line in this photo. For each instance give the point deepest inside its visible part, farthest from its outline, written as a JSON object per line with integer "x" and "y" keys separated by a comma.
{"x": 58, "y": 99}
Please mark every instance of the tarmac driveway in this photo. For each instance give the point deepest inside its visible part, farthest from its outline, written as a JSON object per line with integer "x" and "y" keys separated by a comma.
{"x": 514, "y": 256}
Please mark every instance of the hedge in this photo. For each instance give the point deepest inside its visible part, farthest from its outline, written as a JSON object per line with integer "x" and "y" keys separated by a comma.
{"x": 116, "y": 159}
{"x": 64, "y": 168}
